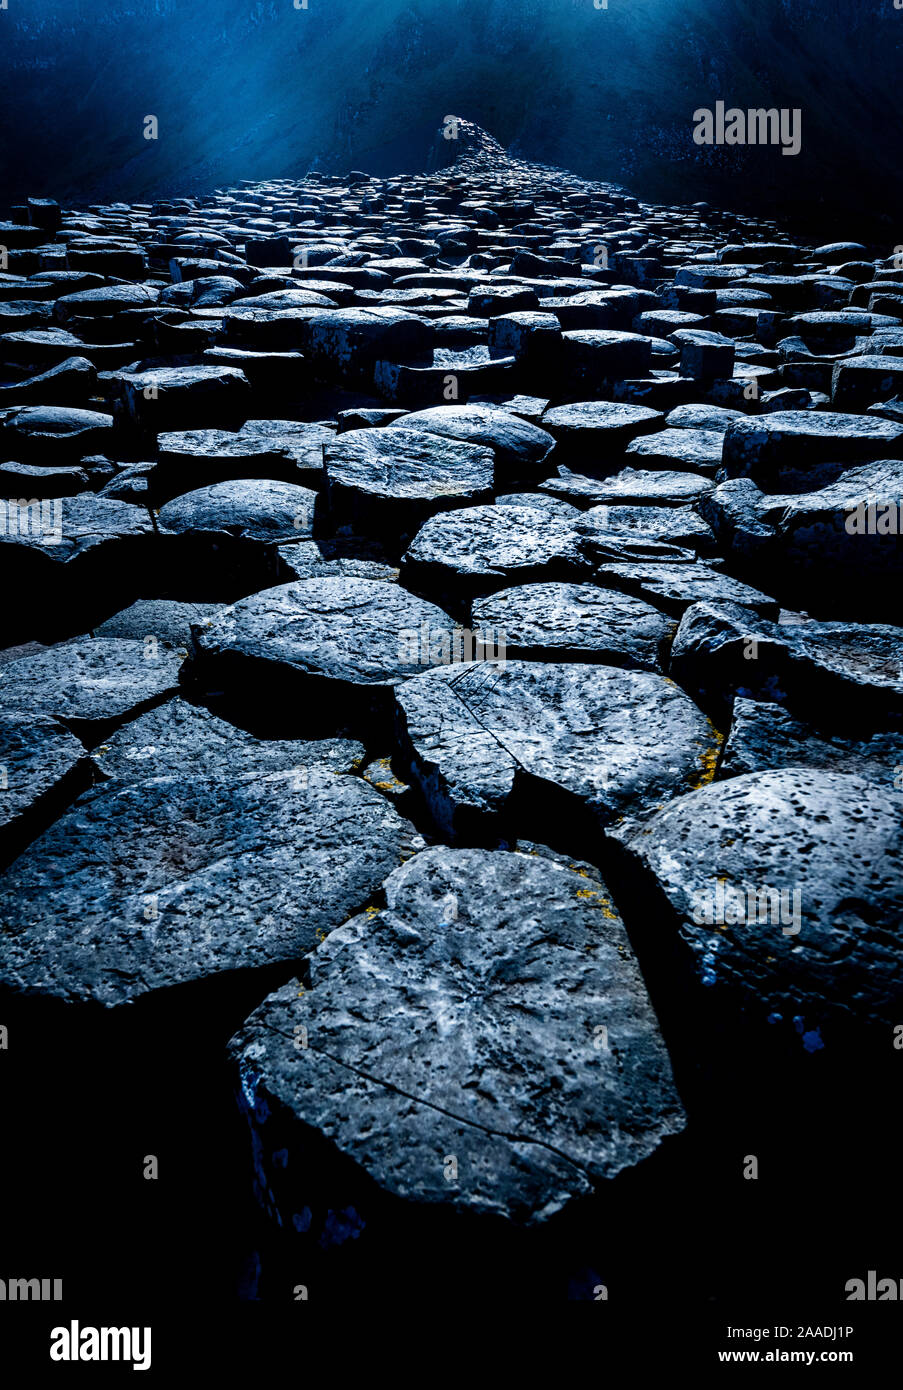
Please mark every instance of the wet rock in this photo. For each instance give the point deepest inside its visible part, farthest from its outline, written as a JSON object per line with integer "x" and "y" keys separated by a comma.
{"x": 475, "y": 1057}
{"x": 143, "y": 886}
{"x": 547, "y": 749}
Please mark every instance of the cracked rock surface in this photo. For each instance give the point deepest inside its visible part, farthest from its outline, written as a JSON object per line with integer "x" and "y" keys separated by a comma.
{"x": 348, "y": 517}
{"x": 478, "y": 992}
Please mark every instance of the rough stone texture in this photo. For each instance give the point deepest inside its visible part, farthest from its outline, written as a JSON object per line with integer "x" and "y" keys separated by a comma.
{"x": 764, "y": 737}
{"x": 852, "y": 669}
{"x": 92, "y": 685}
{"x": 178, "y": 739}
{"x": 160, "y": 619}
{"x": 632, "y": 486}
{"x": 481, "y": 739}
{"x": 833, "y": 838}
{"x": 797, "y": 450}
{"x": 675, "y": 587}
{"x": 575, "y": 622}
{"x": 393, "y": 480}
{"x": 255, "y": 509}
{"x": 324, "y": 639}
{"x": 143, "y": 886}
{"x": 639, "y": 416}
{"x": 40, "y": 761}
{"x": 478, "y": 549}
{"x": 473, "y": 1033}
{"x": 520, "y": 448}
{"x": 838, "y": 545}
{"x": 592, "y": 435}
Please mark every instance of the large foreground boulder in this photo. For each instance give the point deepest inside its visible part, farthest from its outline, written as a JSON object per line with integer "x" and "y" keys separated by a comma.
{"x": 493, "y": 1061}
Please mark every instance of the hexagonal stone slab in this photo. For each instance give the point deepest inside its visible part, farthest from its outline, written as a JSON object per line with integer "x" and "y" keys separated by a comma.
{"x": 381, "y": 481}
{"x": 592, "y": 435}
{"x": 179, "y": 739}
{"x": 323, "y": 644}
{"x": 675, "y": 587}
{"x": 561, "y": 746}
{"x": 478, "y": 549}
{"x": 183, "y": 398}
{"x": 836, "y": 549}
{"x": 47, "y": 434}
{"x": 821, "y": 953}
{"x": 796, "y": 450}
{"x": 680, "y": 526}
{"x": 765, "y": 737}
{"x": 474, "y": 1033}
{"x": 699, "y": 451}
{"x": 855, "y": 670}
{"x": 161, "y": 619}
{"x": 575, "y": 622}
{"x": 149, "y": 885}
{"x": 90, "y": 686}
{"x": 250, "y": 508}
{"x": 520, "y": 448}
{"x": 632, "y": 486}
{"x": 348, "y": 342}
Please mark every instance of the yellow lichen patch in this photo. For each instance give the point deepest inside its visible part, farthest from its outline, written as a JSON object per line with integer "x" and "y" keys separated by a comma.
{"x": 708, "y": 759}
{"x": 604, "y": 904}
